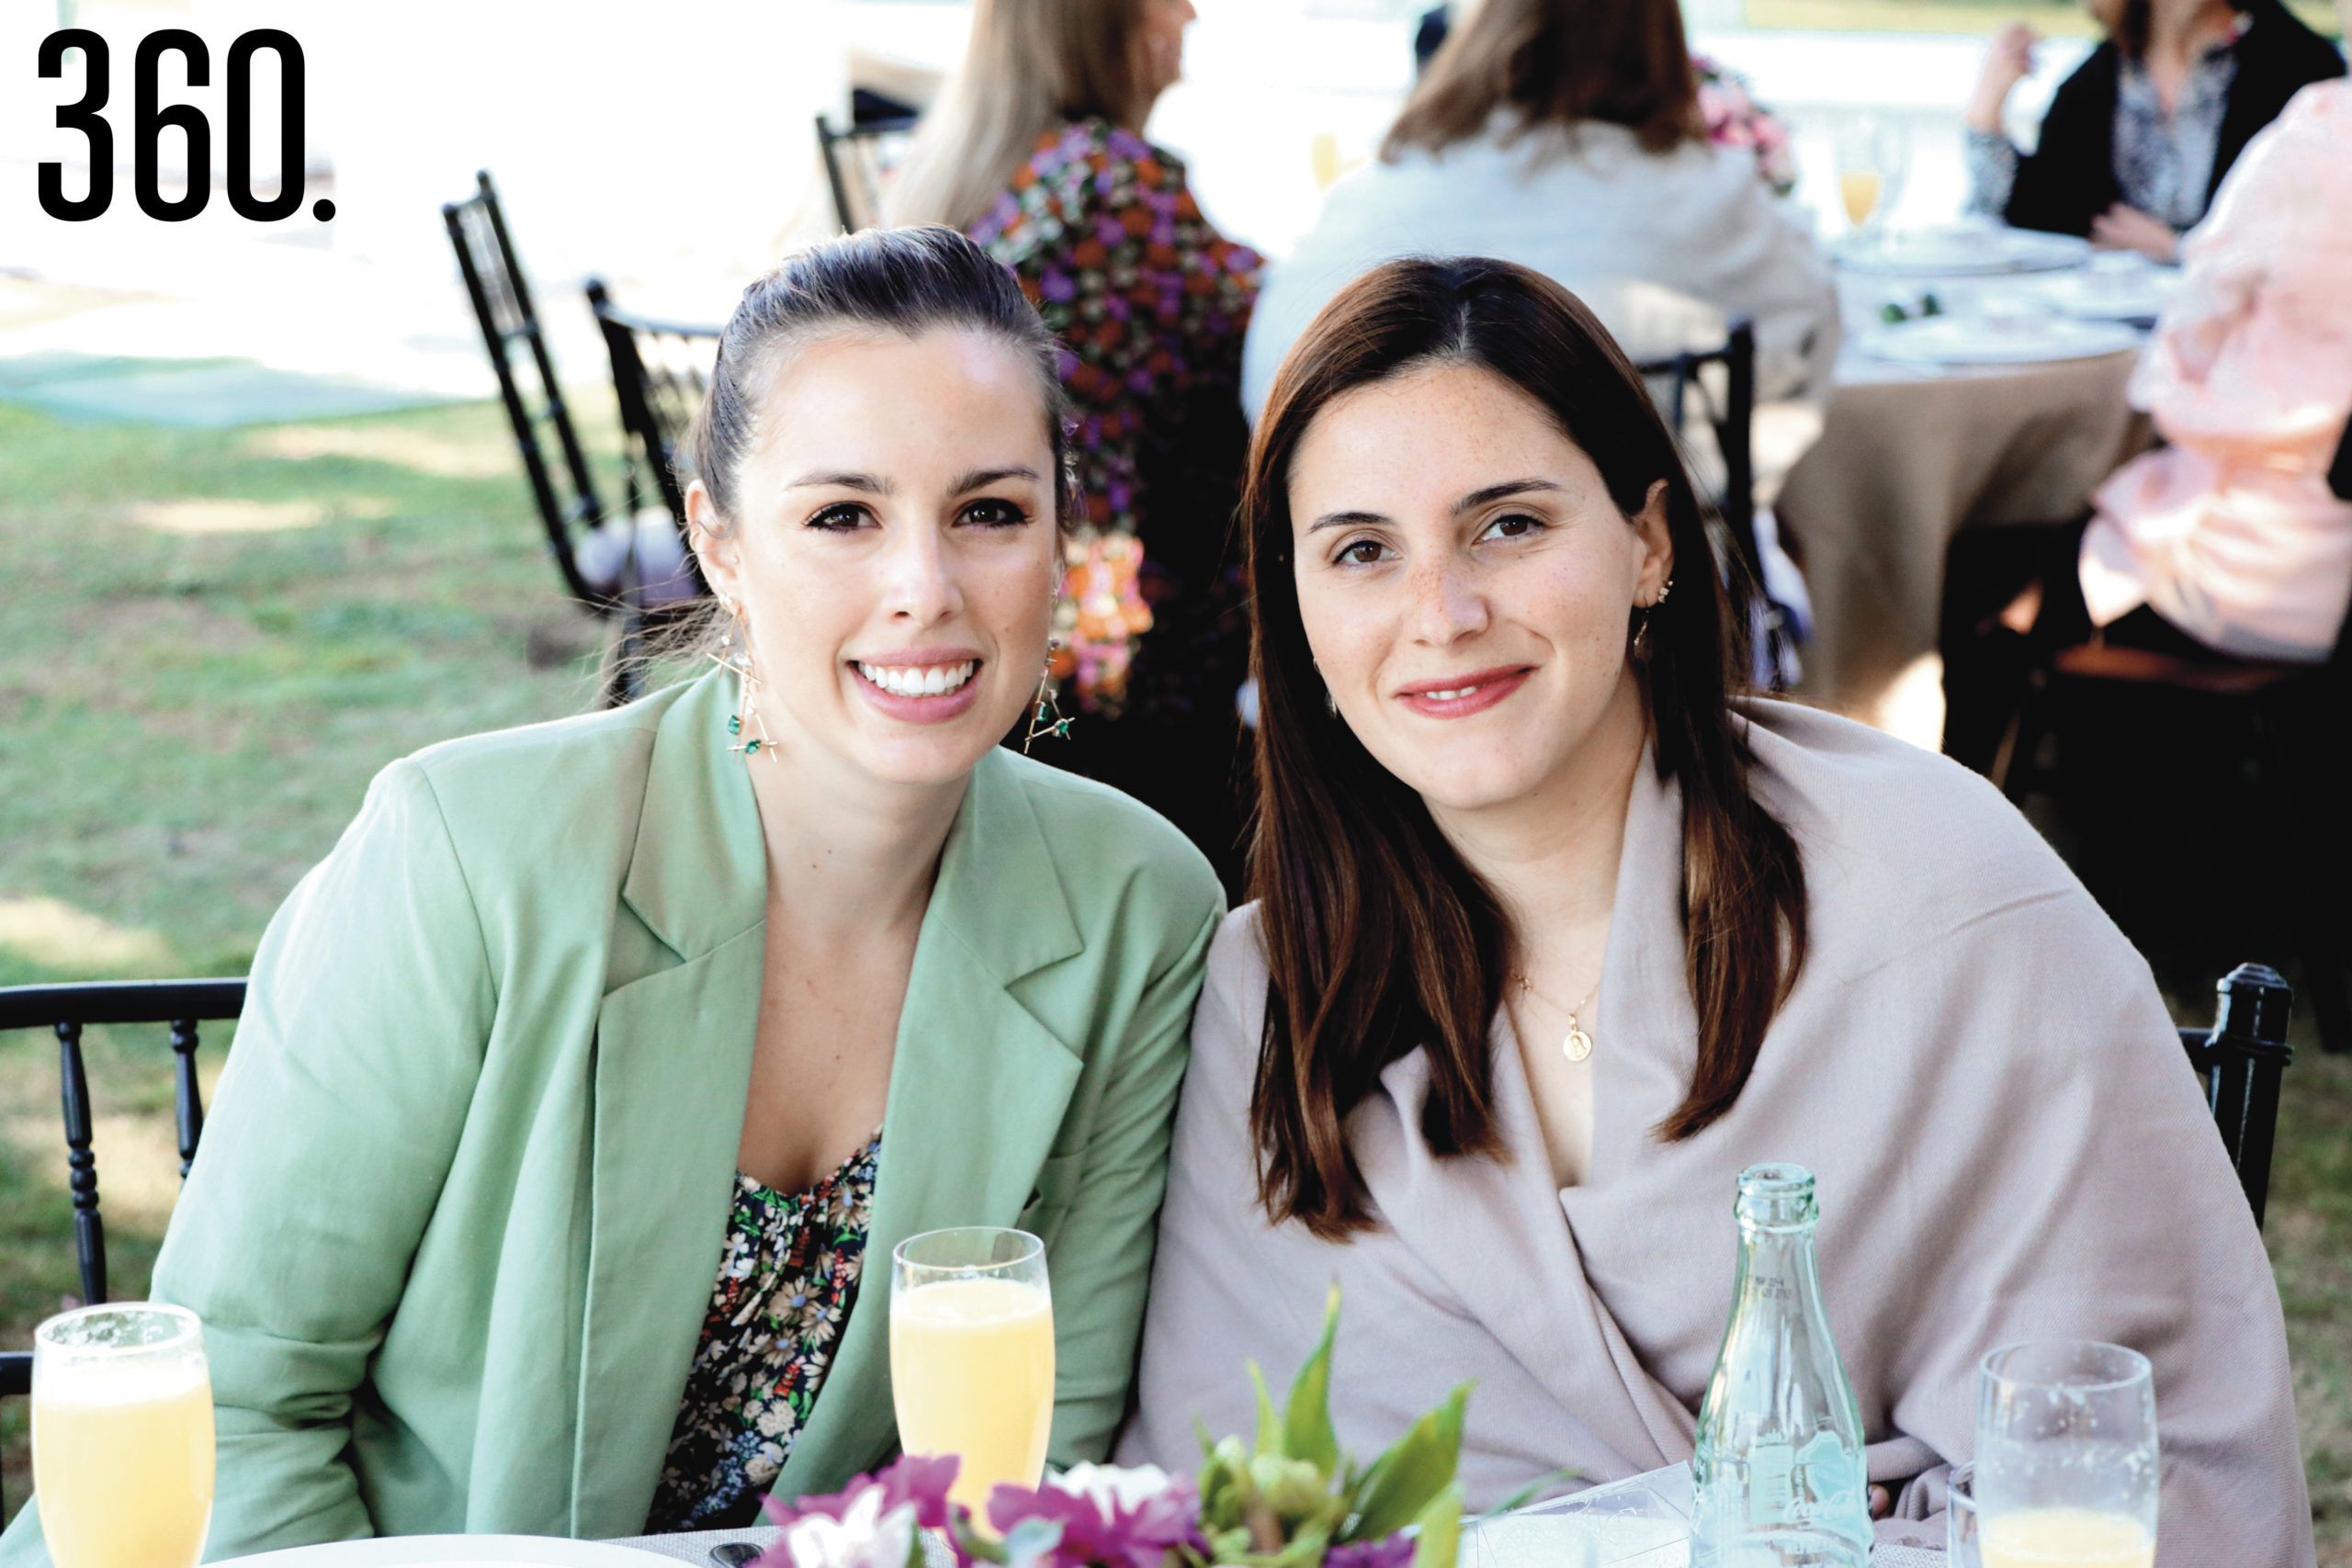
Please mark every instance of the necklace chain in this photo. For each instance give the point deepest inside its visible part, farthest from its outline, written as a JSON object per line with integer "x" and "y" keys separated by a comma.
{"x": 1577, "y": 1044}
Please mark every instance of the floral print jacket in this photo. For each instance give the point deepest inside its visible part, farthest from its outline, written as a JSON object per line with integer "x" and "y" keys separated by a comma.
{"x": 1150, "y": 303}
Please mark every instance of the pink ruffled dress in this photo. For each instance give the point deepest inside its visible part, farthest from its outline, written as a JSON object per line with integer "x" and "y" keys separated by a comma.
{"x": 2231, "y": 533}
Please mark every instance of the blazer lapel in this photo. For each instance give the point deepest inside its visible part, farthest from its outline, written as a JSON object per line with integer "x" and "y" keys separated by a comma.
{"x": 977, "y": 1091}
{"x": 673, "y": 1055}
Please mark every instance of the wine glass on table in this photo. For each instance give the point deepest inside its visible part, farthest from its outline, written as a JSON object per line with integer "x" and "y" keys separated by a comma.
{"x": 972, "y": 1354}
{"x": 122, "y": 1436}
{"x": 2066, "y": 1466}
{"x": 1874, "y": 155}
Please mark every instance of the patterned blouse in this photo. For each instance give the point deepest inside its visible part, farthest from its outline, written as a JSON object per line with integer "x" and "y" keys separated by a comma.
{"x": 2163, "y": 162}
{"x": 788, "y": 1279}
{"x": 1150, "y": 304}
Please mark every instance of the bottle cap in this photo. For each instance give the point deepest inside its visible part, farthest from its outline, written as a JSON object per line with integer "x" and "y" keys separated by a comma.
{"x": 1776, "y": 1197}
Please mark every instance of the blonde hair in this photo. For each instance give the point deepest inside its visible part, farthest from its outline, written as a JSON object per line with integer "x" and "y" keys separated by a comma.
{"x": 1031, "y": 65}
{"x": 1557, "y": 61}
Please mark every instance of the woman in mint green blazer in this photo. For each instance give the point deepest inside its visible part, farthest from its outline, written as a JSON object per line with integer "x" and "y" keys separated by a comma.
{"x": 516, "y": 1053}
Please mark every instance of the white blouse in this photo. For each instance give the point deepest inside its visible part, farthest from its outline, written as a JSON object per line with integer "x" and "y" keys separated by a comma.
{"x": 1638, "y": 235}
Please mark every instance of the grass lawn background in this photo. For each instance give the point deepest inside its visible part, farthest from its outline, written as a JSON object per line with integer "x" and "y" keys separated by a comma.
{"x": 219, "y": 637}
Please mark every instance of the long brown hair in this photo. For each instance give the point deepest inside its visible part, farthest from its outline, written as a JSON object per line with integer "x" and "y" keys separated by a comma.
{"x": 1029, "y": 66}
{"x": 1379, "y": 938}
{"x": 1555, "y": 63}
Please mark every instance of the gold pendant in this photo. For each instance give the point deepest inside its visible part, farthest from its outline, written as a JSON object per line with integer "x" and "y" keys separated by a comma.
{"x": 1577, "y": 1045}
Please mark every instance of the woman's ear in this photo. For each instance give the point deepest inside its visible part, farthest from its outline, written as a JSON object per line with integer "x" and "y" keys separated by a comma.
{"x": 713, "y": 545}
{"x": 1658, "y": 545}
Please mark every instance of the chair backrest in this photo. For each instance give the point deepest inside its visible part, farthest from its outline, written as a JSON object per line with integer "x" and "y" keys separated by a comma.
{"x": 859, "y": 163}
{"x": 565, "y": 495}
{"x": 2242, "y": 1056}
{"x": 661, "y": 375}
{"x": 67, "y": 1010}
{"x": 1731, "y": 416}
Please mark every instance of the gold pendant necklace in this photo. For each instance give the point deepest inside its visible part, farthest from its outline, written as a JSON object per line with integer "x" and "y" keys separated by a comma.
{"x": 1577, "y": 1044}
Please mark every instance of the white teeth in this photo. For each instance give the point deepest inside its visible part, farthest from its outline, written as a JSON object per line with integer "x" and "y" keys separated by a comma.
{"x": 1449, "y": 696}
{"x": 918, "y": 680}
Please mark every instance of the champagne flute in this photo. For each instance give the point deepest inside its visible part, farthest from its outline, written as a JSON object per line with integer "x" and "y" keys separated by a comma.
{"x": 972, "y": 1354}
{"x": 1874, "y": 155}
{"x": 122, "y": 1436}
{"x": 2066, "y": 1466}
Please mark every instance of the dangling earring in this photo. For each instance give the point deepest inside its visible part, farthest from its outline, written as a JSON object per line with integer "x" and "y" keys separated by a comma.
{"x": 1047, "y": 719}
{"x": 735, "y": 653}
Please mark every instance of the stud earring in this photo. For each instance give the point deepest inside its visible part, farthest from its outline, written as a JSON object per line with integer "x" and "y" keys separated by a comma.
{"x": 1046, "y": 720}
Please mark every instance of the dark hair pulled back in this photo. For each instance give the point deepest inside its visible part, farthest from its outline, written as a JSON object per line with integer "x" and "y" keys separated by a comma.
{"x": 900, "y": 281}
{"x": 1378, "y": 936}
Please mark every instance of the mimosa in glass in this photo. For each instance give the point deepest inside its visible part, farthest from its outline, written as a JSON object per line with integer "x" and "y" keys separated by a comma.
{"x": 1874, "y": 155}
{"x": 972, "y": 1354}
{"x": 2065, "y": 1469}
{"x": 122, "y": 1436}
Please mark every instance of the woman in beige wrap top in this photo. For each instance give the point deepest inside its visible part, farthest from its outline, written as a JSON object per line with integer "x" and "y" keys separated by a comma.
{"x": 1973, "y": 1060}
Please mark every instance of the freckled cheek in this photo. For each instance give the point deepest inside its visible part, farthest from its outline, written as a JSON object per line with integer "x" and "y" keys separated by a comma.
{"x": 1349, "y": 635}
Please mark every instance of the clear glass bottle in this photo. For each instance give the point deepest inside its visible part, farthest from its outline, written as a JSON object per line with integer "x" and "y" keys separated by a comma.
{"x": 1779, "y": 1475}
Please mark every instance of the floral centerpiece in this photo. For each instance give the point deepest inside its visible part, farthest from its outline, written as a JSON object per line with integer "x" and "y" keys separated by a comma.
{"x": 1736, "y": 119}
{"x": 1288, "y": 1498}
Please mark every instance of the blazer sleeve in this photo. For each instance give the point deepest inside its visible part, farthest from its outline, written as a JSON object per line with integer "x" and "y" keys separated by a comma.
{"x": 1101, "y": 1262}
{"x": 335, "y": 1122}
{"x": 2069, "y": 177}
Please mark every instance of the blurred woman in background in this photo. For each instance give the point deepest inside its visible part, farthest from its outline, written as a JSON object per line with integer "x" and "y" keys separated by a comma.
{"x": 1566, "y": 136}
{"x": 1035, "y": 149}
{"x": 2137, "y": 141}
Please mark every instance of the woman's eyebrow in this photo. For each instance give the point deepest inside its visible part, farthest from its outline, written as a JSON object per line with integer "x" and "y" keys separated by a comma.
{"x": 1344, "y": 520}
{"x": 867, "y": 483}
{"x": 1478, "y": 498}
{"x": 980, "y": 479}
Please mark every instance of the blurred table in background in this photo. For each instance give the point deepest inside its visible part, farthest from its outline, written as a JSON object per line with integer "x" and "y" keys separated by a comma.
{"x": 1911, "y": 453}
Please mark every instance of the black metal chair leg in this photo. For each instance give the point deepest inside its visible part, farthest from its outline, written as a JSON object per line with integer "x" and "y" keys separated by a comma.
{"x": 82, "y": 1165}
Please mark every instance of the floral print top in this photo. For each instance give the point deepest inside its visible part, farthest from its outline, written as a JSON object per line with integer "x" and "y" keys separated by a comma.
{"x": 787, "y": 1277}
{"x": 1150, "y": 303}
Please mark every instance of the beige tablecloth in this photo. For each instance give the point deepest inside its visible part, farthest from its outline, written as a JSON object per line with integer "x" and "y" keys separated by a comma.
{"x": 1905, "y": 461}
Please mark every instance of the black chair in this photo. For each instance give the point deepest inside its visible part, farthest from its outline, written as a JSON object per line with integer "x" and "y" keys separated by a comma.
{"x": 2285, "y": 728}
{"x": 68, "y": 1009}
{"x": 2242, "y": 1056}
{"x": 1730, "y": 413}
{"x": 661, "y": 375}
{"x": 859, "y": 163}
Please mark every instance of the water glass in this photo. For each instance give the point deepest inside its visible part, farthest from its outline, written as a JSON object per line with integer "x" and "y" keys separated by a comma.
{"x": 2066, "y": 1464}
{"x": 972, "y": 1354}
{"x": 1960, "y": 1519}
{"x": 122, "y": 1413}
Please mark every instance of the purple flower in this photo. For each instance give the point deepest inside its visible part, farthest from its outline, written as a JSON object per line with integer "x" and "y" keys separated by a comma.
{"x": 1058, "y": 287}
{"x": 1110, "y": 232}
{"x": 1396, "y": 1551}
{"x": 1163, "y": 233}
{"x": 1115, "y": 307}
{"x": 1110, "y": 1519}
{"x": 1139, "y": 382}
{"x": 1068, "y": 361}
{"x": 908, "y": 1479}
{"x": 1127, "y": 145}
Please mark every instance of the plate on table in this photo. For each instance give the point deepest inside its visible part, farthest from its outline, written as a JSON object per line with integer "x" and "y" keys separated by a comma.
{"x": 2113, "y": 294}
{"x": 1961, "y": 250}
{"x": 454, "y": 1551}
{"x": 1977, "y": 340}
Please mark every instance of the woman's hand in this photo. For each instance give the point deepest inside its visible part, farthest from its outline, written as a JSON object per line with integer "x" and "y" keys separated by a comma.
{"x": 2008, "y": 61}
{"x": 2122, "y": 228}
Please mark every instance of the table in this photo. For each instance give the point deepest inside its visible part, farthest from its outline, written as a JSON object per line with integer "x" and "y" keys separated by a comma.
{"x": 1907, "y": 458}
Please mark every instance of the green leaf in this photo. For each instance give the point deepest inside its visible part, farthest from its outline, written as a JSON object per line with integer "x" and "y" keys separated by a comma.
{"x": 1269, "y": 1430}
{"x": 1405, "y": 1478}
{"x": 1306, "y": 1422}
{"x": 1440, "y": 1540}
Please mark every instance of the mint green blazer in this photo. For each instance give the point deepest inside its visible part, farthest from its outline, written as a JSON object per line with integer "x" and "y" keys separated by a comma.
{"x": 459, "y": 1206}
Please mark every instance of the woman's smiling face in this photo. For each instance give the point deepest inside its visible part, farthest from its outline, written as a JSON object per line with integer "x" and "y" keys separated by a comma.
{"x": 1465, "y": 581}
{"x": 895, "y": 549}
